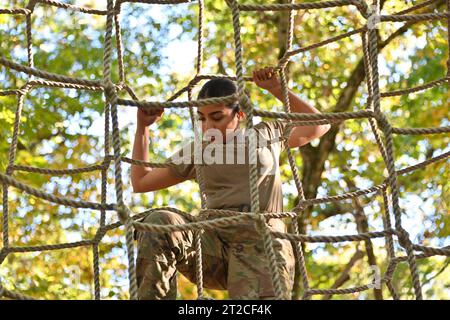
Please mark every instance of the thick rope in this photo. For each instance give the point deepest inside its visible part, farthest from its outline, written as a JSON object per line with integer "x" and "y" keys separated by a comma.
{"x": 214, "y": 218}
{"x": 111, "y": 98}
{"x": 203, "y": 196}
{"x": 298, "y": 184}
{"x": 392, "y": 178}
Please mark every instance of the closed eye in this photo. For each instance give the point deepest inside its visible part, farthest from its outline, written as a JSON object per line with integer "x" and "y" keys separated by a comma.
{"x": 214, "y": 118}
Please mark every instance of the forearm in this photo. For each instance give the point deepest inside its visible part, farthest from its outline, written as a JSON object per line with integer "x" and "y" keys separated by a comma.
{"x": 296, "y": 103}
{"x": 140, "y": 152}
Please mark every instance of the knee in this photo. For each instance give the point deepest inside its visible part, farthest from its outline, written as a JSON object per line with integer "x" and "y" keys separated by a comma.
{"x": 163, "y": 246}
{"x": 163, "y": 217}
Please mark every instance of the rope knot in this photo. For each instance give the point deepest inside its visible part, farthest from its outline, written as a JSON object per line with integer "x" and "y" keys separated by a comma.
{"x": 109, "y": 89}
{"x": 124, "y": 215}
{"x": 383, "y": 121}
{"x": 244, "y": 102}
{"x": 299, "y": 208}
{"x": 403, "y": 238}
{"x": 99, "y": 235}
{"x": 260, "y": 221}
{"x": 373, "y": 17}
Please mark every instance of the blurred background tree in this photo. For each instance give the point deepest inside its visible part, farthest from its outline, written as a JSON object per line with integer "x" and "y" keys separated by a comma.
{"x": 63, "y": 128}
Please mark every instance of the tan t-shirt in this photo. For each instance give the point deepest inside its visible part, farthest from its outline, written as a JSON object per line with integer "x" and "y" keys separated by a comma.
{"x": 225, "y": 168}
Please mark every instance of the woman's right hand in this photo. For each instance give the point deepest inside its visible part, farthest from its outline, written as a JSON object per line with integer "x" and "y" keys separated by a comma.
{"x": 147, "y": 117}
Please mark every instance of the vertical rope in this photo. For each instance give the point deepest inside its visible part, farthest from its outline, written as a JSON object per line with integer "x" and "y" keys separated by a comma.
{"x": 392, "y": 177}
{"x": 119, "y": 47}
{"x": 201, "y": 18}
{"x": 30, "y": 57}
{"x": 448, "y": 39}
{"x": 9, "y": 171}
{"x": 301, "y": 261}
{"x": 107, "y": 137}
{"x": 298, "y": 184}
{"x": 198, "y": 233}
{"x": 9, "y": 168}
{"x": 104, "y": 190}
{"x": 29, "y": 41}
{"x": 198, "y": 263}
{"x": 373, "y": 124}
{"x": 254, "y": 192}
{"x": 111, "y": 98}
{"x": 369, "y": 80}
{"x": 389, "y": 240}
{"x": 96, "y": 267}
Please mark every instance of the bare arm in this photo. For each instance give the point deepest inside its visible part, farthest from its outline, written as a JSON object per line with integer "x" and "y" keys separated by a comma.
{"x": 300, "y": 135}
{"x": 145, "y": 179}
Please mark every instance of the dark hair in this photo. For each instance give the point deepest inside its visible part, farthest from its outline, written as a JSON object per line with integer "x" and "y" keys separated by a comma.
{"x": 219, "y": 87}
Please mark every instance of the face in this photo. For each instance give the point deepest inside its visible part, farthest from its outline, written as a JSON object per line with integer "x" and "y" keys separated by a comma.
{"x": 219, "y": 117}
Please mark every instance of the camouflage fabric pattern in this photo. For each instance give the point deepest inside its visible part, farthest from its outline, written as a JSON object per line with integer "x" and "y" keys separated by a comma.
{"x": 233, "y": 259}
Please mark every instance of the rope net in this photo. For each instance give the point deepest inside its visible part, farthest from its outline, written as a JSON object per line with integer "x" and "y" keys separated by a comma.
{"x": 212, "y": 218}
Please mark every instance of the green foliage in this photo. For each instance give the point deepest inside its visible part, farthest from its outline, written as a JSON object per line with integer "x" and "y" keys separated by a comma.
{"x": 62, "y": 128}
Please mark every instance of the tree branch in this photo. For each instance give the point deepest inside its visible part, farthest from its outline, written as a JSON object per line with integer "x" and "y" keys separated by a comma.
{"x": 363, "y": 227}
{"x": 344, "y": 277}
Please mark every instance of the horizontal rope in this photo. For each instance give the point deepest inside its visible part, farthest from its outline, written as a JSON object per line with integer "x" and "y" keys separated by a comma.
{"x": 208, "y": 224}
{"x": 236, "y": 212}
{"x": 340, "y": 291}
{"x": 47, "y": 75}
{"x": 435, "y": 251}
{"x": 72, "y": 7}
{"x": 295, "y": 6}
{"x": 428, "y": 85}
{"x": 55, "y": 199}
{"x": 417, "y": 131}
{"x": 58, "y": 171}
{"x": 119, "y": 2}
{"x": 397, "y": 260}
{"x": 51, "y": 247}
{"x": 348, "y": 195}
{"x": 15, "y": 11}
{"x": 315, "y": 116}
{"x": 424, "y": 163}
{"x": 332, "y": 239}
{"x": 320, "y": 44}
{"x": 416, "y": 17}
{"x": 54, "y": 84}
{"x": 181, "y": 104}
{"x": 417, "y": 6}
{"x": 10, "y": 92}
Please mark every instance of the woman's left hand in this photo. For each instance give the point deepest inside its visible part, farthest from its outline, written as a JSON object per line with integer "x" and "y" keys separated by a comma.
{"x": 266, "y": 78}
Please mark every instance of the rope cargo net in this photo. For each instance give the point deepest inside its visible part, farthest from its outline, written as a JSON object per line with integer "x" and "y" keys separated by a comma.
{"x": 213, "y": 218}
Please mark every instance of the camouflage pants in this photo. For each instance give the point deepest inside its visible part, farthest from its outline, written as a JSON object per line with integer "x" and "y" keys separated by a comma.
{"x": 233, "y": 259}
